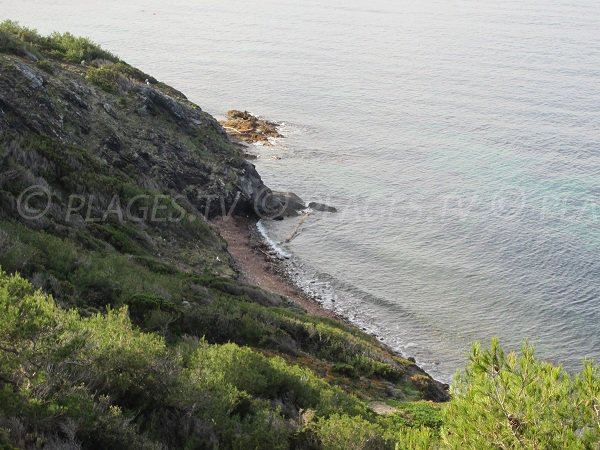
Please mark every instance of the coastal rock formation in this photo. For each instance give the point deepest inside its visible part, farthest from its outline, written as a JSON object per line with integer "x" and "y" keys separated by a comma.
{"x": 135, "y": 133}
{"x": 258, "y": 199}
{"x": 290, "y": 203}
{"x": 322, "y": 207}
{"x": 248, "y": 128}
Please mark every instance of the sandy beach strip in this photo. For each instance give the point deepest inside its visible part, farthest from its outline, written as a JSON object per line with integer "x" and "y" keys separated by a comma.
{"x": 257, "y": 267}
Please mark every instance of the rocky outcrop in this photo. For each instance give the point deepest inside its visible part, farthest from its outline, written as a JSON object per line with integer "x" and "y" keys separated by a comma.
{"x": 248, "y": 128}
{"x": 322, "y": 207}
{"x": 257, "y": 198}
{"x": 290, "y": 203}
{"x": 134, "y": 132}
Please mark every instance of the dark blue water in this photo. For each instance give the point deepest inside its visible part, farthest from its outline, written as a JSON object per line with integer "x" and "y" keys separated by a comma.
{"x": 460, "y": 141}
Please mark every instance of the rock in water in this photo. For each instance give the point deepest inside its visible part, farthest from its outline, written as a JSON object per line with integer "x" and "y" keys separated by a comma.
{"x": 289, "y": 202}
{"x": 246, "y": 127}
{"x": 322, "y": 207}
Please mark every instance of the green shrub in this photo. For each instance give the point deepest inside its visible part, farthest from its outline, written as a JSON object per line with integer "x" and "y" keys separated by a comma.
{"x": 122, "y": 237}
{"x": 105, "y": 77}
{"x": 416, "y": 414}
{"x": 344, "y": 369}
{"x": 342, "y": 432}
{"x": 97, "y": 370}
{"x": 129, "y": 364}
{"x": 74, "y": 49}
{"x": 51, "y": 361}
{"x": 45, "y": 65}
{"x": 416, "y": 439}
{"x": 154, "y": 265}
{"x": 63, "y": 46}
{"x": 16, "y": 39}
{"x": 516, "y": 401}
{"x": 31, "y": 251}
{"x": 151, "y": 312}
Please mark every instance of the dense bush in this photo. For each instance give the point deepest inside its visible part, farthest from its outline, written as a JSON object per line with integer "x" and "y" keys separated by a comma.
{"x": 91, "y": 376}
{"x": 105, "y": 77}
{"x": 342, "y": 432}
{"x": 83, "y": 380}
{"x": 516, "y": 401}
{"x": 17, "y": 39}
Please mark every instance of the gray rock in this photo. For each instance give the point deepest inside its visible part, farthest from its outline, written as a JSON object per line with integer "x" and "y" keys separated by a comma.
{"x": 290, "y": 203}
{"x": 35, "y": 81}
{"x": 154, "y": 100}
{"x": 258, "y": 199}
{"x": 322, "y": 207}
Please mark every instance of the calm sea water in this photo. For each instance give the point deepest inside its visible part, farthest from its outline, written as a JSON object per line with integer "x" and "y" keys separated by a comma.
{"x": 460, "y": 141}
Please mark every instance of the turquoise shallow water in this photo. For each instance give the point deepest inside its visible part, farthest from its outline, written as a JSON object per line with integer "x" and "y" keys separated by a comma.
{"x": 461, "y": 143}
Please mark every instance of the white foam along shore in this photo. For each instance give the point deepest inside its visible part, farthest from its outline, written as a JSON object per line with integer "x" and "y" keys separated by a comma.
{"x": 270, "y": 242}
{"x": 322, "y": 292}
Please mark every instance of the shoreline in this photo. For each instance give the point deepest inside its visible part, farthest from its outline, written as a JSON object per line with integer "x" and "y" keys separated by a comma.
{"x": 257, "y": 264}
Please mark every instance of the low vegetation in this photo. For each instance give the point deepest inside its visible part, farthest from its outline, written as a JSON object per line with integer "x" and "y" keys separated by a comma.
{"x": 20, "y": 40}
{"x": 98, "y": 381}
{"x": 517, "y": 401}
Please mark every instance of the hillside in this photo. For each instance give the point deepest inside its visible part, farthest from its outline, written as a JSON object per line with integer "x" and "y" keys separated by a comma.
{"x": 149, "y": 340}
{"x": 124, "y": 323}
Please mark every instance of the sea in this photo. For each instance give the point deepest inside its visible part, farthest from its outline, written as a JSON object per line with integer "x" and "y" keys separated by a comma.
{"x": 459, "y": 141}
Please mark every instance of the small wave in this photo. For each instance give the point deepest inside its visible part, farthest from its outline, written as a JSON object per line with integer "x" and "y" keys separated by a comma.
{"x": 292, "y": 129}
{"x": 354, "y": 304}
{"x": 270, "y": 242}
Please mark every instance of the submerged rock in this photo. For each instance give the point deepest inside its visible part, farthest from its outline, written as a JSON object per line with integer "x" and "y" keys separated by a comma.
{"x": 322, "y": 207}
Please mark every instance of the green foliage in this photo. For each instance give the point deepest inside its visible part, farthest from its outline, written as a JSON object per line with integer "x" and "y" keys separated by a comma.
{"x": 45, "y": 65}
{"x": 272, "y": 377}
{"x": 344, "y": 369}
{"x": 74, "y": 49}
{"x": 518, "y": 402}
{"x": 17, "y": 39}
{"x": 105, "y": 77}
{"x": 342, "y": 432}
{"x": 29, "y": 252}
{"x": 123, "y": 237}
{"x": 92, "y": 374}
{"x": 154, "y": 265}
{"x": 416, "y": 439}
{"x": 419, "y": 414}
